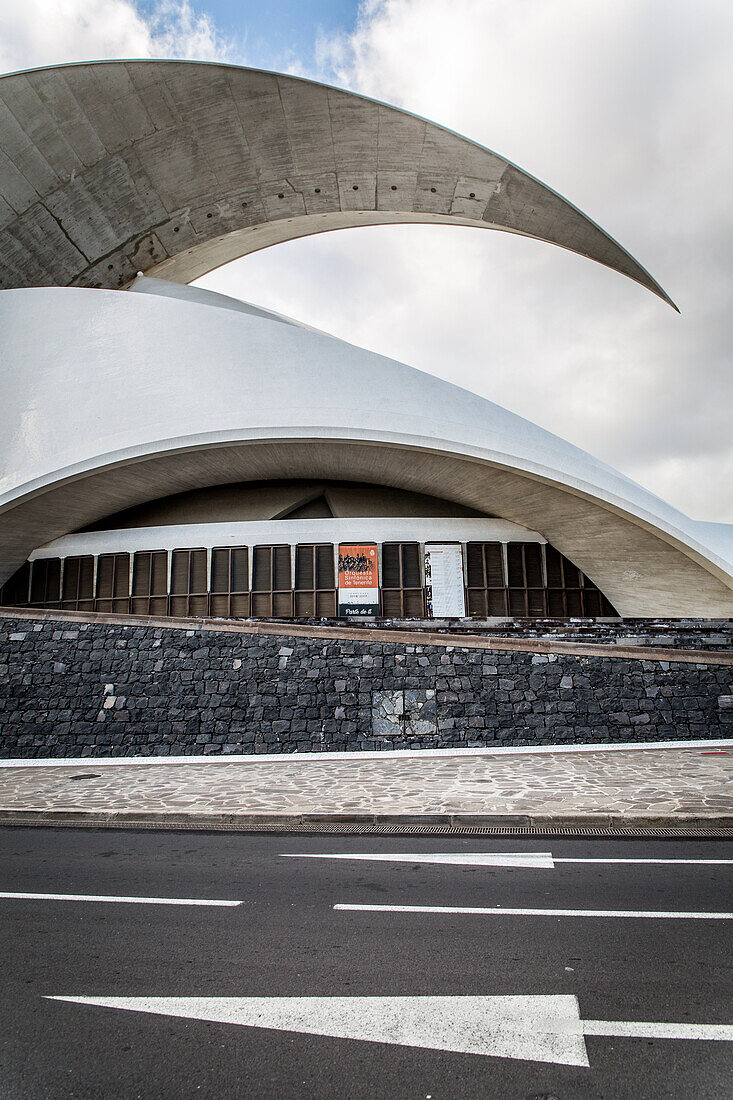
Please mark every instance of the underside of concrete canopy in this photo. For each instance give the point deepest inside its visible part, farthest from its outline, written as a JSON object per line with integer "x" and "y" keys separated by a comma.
{"x": 174, "y": 168}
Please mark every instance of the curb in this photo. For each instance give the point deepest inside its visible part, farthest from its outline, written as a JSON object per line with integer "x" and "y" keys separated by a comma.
{"x": 705, "y": 745}
{"x": 129, "y": 819}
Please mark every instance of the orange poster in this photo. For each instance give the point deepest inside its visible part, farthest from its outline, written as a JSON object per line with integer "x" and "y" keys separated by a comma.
{"x": 358, "y": 565}
{"x": 358, "y": 582}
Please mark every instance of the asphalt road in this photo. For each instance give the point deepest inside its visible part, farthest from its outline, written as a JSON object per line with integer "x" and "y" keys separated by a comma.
{"x": 286, "y": 940}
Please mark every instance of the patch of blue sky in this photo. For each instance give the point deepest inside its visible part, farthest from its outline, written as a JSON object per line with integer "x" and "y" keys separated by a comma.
{"x": 279, "y": 34}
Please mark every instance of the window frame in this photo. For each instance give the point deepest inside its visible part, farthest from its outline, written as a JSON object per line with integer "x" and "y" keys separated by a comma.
{"x": 236, "y": 602}
{"x": 403, "y": 593}
{"x": 276, "y": 602}
{"x": 154, "y": 603}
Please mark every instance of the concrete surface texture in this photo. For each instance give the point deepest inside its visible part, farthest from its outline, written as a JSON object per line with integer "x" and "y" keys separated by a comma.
{"x": 267, "y": 406}
{"x": 278, "y": 500}
{"x": 173, "y": 168}
{"x": 667, "y": 783}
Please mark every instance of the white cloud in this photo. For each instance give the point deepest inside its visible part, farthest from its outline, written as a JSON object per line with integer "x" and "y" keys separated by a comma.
{"x": 38, "y": 32}
{"x": 621, "y": 105}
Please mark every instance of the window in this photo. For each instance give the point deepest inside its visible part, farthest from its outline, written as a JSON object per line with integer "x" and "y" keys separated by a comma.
{"x": 559, "y": 590}
{"x": 150, "y": 583}
{"x": 570, "y": 593}
{"x": 485, "y": 586}
{"x": 78, "y": 587}
{"x": 14, "y": 593}
{"x": 402, "y": 591}
{"x": 113, "y": 583}
{"x": 594, "y": 602}
{"x": 46, "y": 582}
{"x": 230, "y": 582}
{"x": 189, "y": 583}
{"x": 272, "y": 595}
{"x": 315, "y": 581}
{"x": 526, "y": 581}
{"x": 592, "y": 599}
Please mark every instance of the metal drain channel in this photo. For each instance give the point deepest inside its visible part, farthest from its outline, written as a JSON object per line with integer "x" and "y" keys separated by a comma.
{"x": 652, "y": 831}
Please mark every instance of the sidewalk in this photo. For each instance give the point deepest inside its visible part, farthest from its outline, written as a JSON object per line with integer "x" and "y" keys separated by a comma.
{"x": 616, "y": 786}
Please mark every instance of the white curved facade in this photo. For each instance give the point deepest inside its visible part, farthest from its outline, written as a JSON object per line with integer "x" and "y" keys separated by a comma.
{"x": 118, "y": 398}
{"x": 111, "y": 399}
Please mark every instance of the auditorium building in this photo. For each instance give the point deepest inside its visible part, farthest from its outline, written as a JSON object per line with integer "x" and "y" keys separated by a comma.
{"x": 169, "y": 451}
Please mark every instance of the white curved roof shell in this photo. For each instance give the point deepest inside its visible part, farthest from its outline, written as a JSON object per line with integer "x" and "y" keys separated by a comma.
{"x": 113, "y": 399}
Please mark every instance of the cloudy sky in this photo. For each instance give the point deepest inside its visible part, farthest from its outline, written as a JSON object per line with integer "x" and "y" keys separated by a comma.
{"x": 623, "y": 106}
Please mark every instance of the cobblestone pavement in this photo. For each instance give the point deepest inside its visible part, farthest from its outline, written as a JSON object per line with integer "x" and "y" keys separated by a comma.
{"x": 641, "y": 782}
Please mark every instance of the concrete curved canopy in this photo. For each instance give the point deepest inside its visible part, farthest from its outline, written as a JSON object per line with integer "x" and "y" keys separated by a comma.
{"x": 246, "y": 397}
{"x": 173, "y": 168}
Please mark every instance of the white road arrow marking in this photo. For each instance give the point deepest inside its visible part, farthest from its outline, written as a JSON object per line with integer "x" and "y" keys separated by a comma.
{"x": 536, "y": 1029}
{"x": 527, "y": 1028}
{"x": 115, "y": 898}
{"x": 540, "y": 860}
{"x": 497, "y": 911}
{"x": 460, "y": 859}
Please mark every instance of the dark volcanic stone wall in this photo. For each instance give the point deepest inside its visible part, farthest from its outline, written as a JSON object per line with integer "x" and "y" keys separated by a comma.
{"x": 714, "y": 634}
{"x": 85, "y": 689}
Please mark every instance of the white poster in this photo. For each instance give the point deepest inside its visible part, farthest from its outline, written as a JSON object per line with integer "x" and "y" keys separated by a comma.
{"x": 444, "y": 580}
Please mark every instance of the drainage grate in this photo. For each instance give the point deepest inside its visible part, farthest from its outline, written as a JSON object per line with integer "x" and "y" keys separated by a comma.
{"x": 680, "y": 832}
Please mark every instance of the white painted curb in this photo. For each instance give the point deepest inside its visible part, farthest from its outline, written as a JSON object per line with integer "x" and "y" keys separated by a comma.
{"x": 357, "y": 755}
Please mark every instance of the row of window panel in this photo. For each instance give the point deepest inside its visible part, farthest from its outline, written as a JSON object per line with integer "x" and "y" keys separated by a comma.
{"x": 541, "y": 582}
{"x": 189, "y": 581}
{"x": 486, "y": 566}
{"x": 314, "y": 569}
{"x": 225, "y": 591}
{"x": 537, "y": 603}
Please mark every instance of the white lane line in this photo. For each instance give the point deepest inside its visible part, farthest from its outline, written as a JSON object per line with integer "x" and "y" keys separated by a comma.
{"x": 689, "y": 862}
{"x": 536, "y": 1028}
{"x": 481, "y": 911}
{"x": 542, "y": 860}
{"x": 113, "y": 898}
{"x": 623, "y": 1029}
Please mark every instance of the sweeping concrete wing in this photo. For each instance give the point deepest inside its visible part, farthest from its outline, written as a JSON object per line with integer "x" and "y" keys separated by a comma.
{"x": 173, "y": 168}
{"x": 101, "y": 414}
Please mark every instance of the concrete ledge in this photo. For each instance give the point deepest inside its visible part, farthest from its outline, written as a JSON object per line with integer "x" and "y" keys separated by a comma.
{"x": 383, "y": 635}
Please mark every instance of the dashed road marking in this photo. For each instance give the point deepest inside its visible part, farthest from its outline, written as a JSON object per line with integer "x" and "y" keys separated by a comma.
{"x": 498, "y": 911}
{"x": 663, "y": 862}
{"x": 114, "y": 898}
